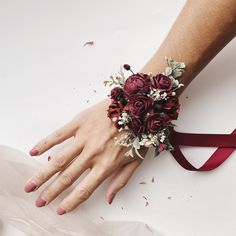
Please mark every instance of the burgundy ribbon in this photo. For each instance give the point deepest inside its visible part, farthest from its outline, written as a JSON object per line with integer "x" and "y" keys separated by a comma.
{"x": 226, "y": 144}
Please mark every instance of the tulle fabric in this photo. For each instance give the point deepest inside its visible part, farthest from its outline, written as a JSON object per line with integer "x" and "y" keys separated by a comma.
{"x": 17, "y": 208}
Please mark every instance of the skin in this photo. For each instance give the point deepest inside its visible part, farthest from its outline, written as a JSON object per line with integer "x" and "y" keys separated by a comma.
{"x": 201, "y": 30}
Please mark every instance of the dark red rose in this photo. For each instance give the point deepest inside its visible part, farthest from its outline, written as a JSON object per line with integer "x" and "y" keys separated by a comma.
{"x": 154, "y": 123}
{"x": 136, "y": 125}
{"x": 171, "y": 104}
{"x": 138, "y": 105}
{"x": 117, "y": 93}
{"x": 162, "y": 83}
{"x": 166, "y": 118}
{"x": 137, "y": 83}
{"x": 171, "y": 107}
{"x": 114, "y": 109}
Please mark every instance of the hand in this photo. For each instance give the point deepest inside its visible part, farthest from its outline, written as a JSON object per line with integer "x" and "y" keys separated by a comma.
{"x": 93, "y": 147}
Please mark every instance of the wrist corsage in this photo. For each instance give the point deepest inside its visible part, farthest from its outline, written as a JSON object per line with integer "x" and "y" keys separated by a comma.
{"x": 144, "y": 105}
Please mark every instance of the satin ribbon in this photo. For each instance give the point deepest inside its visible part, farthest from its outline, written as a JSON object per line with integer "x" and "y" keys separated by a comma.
{"x": 226, "y": 144}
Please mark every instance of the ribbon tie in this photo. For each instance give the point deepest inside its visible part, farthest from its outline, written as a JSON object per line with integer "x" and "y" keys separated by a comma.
{"x": 226, "y": 144}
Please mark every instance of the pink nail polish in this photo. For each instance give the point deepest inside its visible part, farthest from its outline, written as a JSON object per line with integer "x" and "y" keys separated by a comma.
{"x": 30, "y": 186}
{"x": 60, "y": 211}
{"x": 111, "y": 198}
{"x": 33, "y": 152}
{"x": 40, "y": 202}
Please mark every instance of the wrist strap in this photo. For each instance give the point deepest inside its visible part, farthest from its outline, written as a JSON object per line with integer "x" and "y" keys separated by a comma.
{"x": 226, "y": 144}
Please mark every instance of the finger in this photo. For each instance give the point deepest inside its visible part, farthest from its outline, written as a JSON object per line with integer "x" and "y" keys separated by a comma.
{"x": 56, "y": 164}
{"x": 54, "y": 138}
{"x": 83, "y": 191}
{"x": 121, "y": 178}
{"x": 65, "y": 179}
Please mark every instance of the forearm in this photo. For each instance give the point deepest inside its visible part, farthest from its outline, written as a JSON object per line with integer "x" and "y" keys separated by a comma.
{"x": 201, "y": 30}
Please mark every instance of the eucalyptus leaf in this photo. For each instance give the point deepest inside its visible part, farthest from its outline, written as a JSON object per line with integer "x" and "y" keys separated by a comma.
{"x": 136, "y": 143}
{"x": 168, "y": 71}
{"x": 176, "y": 73}
{"x": 156, "y": 153}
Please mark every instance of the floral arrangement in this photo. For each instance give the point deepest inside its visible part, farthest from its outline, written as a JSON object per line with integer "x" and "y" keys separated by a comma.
{"x": 145, "y": 105}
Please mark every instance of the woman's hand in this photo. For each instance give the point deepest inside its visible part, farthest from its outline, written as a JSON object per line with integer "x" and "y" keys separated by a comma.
{"x": 93, "y": 148}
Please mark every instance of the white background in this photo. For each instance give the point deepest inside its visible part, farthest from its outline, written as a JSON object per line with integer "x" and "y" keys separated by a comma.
{"x": 47, "y": 76}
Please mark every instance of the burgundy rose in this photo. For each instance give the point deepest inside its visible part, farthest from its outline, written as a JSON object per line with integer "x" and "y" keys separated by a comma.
{"x": 171, "y": 107}
{"x": 171, "y": 104}
{"x": 114, "y": 109}
{"x": 154, "y": 123}
{"x": 137, "y": 83}
{"x": 162, "y": 83}
{"x": 117, "y": 93}
{"x": 138, "y": 105}
{"x": 136, "y": 125}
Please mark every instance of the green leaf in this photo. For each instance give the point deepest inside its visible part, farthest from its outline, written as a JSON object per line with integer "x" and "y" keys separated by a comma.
{"x": 168, "y": 71}
{"x": 136, "y": 143}
{"x": 156, "y": 153}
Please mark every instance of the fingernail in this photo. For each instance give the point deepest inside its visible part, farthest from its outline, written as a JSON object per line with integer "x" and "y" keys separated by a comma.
{"x": 111, "y": 198}
{"x": 40, "y": 202}
{"x": 33, "y": 152}
{"x": 60, "y": 211}
{"x": 31, "y": 186}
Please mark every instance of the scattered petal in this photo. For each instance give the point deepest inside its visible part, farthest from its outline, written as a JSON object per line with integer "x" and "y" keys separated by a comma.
{"x": 142, "y": 182}
{"x": 144, "y": 197}
{"x": 122, "y": 208}
{"x": 101, "y": 218}
{"x": 152, "y": 179}
{"x": 169, "y": 197}
{"x": 90, "y": 43}
{"x": 146, "y": 203}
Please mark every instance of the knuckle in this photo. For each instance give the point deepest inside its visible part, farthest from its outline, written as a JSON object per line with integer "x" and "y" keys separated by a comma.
{"x": 122, "y": 185}
{"x": 57, "y": 136}
{"x": 40, "y": 177}
{"x": 65, "y": 179}
{"x": 59, "y": 163}
{"x": 47, "y": 193}
{"x": 84, "y": 194}
{"x": 108, "y": 165}
{"x": 42, "y": 144}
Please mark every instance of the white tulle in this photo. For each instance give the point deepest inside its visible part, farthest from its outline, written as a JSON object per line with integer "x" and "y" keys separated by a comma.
{"x": 17, "y": 208}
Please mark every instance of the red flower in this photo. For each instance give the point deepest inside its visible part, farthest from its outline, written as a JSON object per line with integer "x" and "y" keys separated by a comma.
{"x": 114, "y": 109}
{"x": 171, "y": 107}
{"x": 138, "y": 105}
{"x": 137, "y": 83}
{"x": 154, "y": 123}
{"x": 117, "y": 93}
{"x": 171, "y": 104}
{"x": 162, "y": 83}
{"x": 136, "y": 125}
